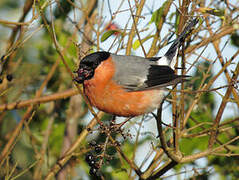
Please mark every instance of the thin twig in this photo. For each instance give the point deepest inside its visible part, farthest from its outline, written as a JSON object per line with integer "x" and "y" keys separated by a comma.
{"x": 221, "y": 109}
{"x": 132, "y": 32}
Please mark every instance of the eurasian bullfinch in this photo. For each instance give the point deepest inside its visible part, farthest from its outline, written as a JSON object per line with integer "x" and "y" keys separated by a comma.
{"x": 129, "y": 85}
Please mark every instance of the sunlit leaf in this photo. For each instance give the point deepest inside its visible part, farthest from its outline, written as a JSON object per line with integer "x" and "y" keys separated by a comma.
{"x": 157, "y": 15}
{"x": 137, "y": 43}
{"x": 109, "y": 33}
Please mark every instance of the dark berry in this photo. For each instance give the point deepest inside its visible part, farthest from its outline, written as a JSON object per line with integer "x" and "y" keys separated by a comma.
{"x": 93, "y": 143}
{"x": 0, "y": 81}
{"x": 93, "y": 171}
{"x": 92, "y": 163}
{"x": 89, "y": 157}
{"x": 9, "y": 77}
{"x": 98, "y": 149}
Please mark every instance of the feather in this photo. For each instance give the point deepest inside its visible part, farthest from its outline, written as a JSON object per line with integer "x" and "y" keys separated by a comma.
{"x": 158, "y": 77}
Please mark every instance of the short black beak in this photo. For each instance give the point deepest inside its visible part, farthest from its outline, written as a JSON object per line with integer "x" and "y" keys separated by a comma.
{"x": 79, "y": 79}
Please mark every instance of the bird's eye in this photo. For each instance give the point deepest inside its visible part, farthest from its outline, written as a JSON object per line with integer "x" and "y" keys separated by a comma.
{"x": 89, "y": 63}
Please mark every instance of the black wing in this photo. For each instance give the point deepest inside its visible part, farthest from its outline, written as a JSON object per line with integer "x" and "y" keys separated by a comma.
{"x": 158, "y": 77}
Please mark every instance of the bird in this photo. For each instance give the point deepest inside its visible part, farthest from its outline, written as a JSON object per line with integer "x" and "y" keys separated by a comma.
{"x": 127, "y": 85}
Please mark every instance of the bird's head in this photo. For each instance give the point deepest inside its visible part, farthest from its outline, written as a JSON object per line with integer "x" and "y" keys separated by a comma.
{"x": 88, "y": 65}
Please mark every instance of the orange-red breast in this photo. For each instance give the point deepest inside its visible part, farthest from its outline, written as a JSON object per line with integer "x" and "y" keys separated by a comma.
{"x": 129, "y": 85}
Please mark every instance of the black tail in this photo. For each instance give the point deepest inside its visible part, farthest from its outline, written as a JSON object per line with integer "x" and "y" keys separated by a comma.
{"x": 173, "y": 48}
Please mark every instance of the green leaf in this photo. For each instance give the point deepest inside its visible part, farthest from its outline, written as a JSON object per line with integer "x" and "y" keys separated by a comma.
{"x": 157, "y": 15}
{"x": 190, "y": 145}
{"x": 109, "y": 33}
{"x": 137, "y": 43}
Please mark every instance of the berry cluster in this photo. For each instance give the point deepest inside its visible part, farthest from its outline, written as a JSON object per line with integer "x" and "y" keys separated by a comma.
{"x": 92, "y": 159}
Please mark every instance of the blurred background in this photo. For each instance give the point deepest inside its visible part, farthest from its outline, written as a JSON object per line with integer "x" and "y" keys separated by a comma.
{"x": 47, "y": 130}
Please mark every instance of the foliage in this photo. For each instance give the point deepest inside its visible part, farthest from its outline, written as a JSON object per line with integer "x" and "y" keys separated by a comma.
{"x": 47, "y": 128}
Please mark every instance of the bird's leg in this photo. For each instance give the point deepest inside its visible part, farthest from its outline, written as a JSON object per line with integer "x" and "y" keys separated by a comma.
{"x": 112, "y": 122}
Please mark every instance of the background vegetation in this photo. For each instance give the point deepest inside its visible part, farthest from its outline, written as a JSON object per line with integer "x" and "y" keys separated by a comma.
{"x": 47, "y": 127}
